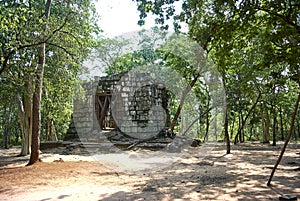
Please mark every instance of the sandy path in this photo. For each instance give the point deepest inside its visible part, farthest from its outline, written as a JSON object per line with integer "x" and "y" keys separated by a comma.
{"x": 241, "y": 175}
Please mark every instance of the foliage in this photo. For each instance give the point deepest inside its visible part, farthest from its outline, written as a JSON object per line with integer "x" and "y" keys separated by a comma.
{"x": 69, "y": 37}
{"x": 255, "y": 45}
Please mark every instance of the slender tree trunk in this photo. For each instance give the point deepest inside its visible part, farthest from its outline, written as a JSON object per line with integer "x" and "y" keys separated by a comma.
{"x": 182, "y": 99}
{"x": 7, "y": 118}
{"x": 268, "y": 124}
{"x": 6, "y": 137}
{"x": 263, "y": 125}
{"x": 182, "y": 126}
{"x": 5, "y": 133}
{"x": 251, "y": 132}
{"x": 199, "y": 130}
{"x": 215, "y": 124}
{"x": 4, "y": 122}
{"x": 299, "y": 128}
{"x": 18, "y": 134}
{"x": 287, "y": 140}
{"x": 241, "y": 129}
{"x": 274, "y": 130}
{"x": 246, "y": 118}
{"x": 190, "y": 126}
{"x": 232, "y": 127}
{"x": 36, "y": 105}
{"x": 207, "y": 126}
{"x": 50, "y": 130}
{"x": 226, "y": 134}
{"x": 236, "y": 139}
{"x": 281, "y": 124}
{"x": 295, "y": 134}
{"x": 8, "y": 130}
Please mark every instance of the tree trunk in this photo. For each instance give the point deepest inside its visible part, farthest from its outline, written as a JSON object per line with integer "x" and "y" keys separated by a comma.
{"x": 265, "y": 134}
{"x": 247, "y": 116}
{"x": 274, "y": 130}
{"x": 251, "y": 132}
{"x": 232, "y": 127}
{"x": 25, "y": 116}
{"x": 4, "y": 122}
{"x": 50, "y": 130}
{"x": 236, "y": 138}
{"x": 190, "y": 126}
{"x": 263, "y": 123}
{"x": 182, "y": 99}
{"x": 295, "y": 135}
{"x": 281, "y": 124}
{"x": 241, "y": 128}
{"x": 36, "y": 106}
{"x": 36, "y": 101}
{"x": 7, "y": 118}
{"x": 8, "y": 126}
{"x": 287, "y": 140}
{"x": 199, "y": 130}
{"x": 268, "y": 123}
{"x": 215, "y": 124}
{"x": 207, "y": 125}
{"x": 299, "y": 128}
{"x": 226, "y": 134}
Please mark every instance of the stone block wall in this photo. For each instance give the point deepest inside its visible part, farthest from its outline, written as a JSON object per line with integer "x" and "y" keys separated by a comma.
{"x": 138, "y": 105}
{"x": 82, "y": 118}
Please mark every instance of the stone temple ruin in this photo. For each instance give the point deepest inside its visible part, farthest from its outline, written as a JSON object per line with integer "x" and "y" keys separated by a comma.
{"x": 125, "y": 109}
{"x": 131, "y": 103}
{"x": 121, "y": 112}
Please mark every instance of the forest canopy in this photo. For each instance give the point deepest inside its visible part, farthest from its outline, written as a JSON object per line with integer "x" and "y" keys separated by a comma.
{"x": 255, "y": 46}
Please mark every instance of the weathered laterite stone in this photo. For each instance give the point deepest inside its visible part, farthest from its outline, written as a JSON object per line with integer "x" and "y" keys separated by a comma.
{"x": 136, "y": 97}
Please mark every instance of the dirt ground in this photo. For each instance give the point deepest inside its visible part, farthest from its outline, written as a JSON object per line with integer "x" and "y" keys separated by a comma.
{"x": 241, "y": 175}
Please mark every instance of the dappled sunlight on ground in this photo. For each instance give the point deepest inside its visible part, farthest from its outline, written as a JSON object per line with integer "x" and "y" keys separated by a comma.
{"x": 241, "y": 175}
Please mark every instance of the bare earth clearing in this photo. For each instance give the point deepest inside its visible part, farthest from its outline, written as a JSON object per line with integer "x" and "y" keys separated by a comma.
{"x": 241, "y": 175}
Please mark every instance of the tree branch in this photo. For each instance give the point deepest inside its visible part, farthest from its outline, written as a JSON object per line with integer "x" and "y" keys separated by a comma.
{"x": 200, "y": 116}
{"x": 292, "y": 125}
{"x": 7, "y": 57}
{"x": 11, "y": 53}
{"x": 68, "y": 33}
{"x": 64, "y": 49}
{"x": 284, "y": 18}
{"x": 58, "y": 29}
